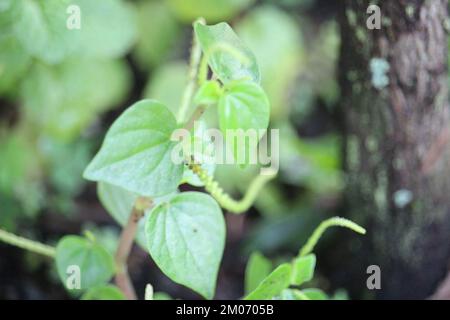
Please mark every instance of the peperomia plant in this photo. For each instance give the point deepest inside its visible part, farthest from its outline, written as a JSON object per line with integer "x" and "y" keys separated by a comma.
{"x": 138, "y": 184}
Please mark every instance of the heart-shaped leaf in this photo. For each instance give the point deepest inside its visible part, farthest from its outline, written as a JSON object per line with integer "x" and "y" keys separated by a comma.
{"x": 186, "y": 238}
{"x": 136, "y": 152}
{"x": 273, "y": 284}
{"x": 227, "y": 56}
{"x": 77, "y": 256}
{"x": 244, "y": 111}
{"x": 303, "y": 269}
{"x": 244, "y": 105}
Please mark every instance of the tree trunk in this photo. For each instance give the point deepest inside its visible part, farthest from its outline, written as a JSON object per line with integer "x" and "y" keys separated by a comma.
{"x": 397, "y": 141}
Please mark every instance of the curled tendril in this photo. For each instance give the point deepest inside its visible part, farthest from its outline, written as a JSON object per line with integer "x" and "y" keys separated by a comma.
{"x": 332, "y": 222}
{"x": 225, "y": 200}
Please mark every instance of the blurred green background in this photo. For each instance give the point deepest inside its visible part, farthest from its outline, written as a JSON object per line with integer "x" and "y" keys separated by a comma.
{"x": 60, "y": 90}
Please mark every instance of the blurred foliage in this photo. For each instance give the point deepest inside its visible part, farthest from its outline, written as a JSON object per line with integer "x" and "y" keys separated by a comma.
{"x": 59, "y": 86}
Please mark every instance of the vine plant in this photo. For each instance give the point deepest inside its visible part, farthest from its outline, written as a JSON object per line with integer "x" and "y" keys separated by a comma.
{"x": 184, "y": 232}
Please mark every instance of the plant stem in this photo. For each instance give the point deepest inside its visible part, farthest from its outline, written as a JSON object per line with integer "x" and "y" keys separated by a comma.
{"x": 27, "y": 244}
{"x": 196, "y": 54}
{"x": 332, "y": 222}
{"x": 195, "y": 116}
{"x": 122, "y": 278}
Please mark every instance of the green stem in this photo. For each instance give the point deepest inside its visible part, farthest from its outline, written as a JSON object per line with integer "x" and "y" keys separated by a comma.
{"x": 196, "y": 54}
{"x": 225, "y": 201}
{"x": 203, "y": 71}
{"x": 195, "y": 116}
{"x": 27, "y": 244}
{"x": 332, "y": 222}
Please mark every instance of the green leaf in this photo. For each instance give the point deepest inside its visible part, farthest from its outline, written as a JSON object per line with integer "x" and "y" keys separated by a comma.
{"x": 95, "y": 263}
{"x": 136, "y": 152}
{"x": 119, "y": 203}
{"x": 314, "y": 294}
{"x": 273, "y": 284}
{"x": 14, "y": 62}
{"x": 161, "y": 296}
{"x": 186, "y": 238}
{"x": 209, "y": 93}
{"x": 244, "y": 105}
{"x": 303, "y": 269}
{"x": 227, "y": 56}
{"x": 10, "y": 11}
{"x": 153, "y": 46}
{"x": 67, "y": 98}
{"x": 41, "y": 28}
{"x": 65, "y": 163}
{"x": 15, "y": 155}
{"x": 107, "y": 292}
{"x": 108, "y": 28}
{"x": 213, "y": 11}
{"x": 258, "y": 268}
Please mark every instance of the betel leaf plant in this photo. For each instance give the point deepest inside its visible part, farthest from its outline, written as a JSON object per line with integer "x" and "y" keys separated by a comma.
{"x": 138, "y": 183}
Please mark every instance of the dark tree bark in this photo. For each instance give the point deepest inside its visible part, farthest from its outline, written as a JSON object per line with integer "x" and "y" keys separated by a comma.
{"x": 397, "y": 141}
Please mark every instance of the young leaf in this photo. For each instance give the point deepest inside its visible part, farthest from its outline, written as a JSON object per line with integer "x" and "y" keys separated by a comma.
{"x": 227, "y": 56}
{"x": 314, "y": 294}
{"x": 273, "y": 284}
{"x": 186, "y": 238}
{"x": 106, "y": 292}
{"x": 136, "y": 152}
{"x": 307, "y": 294}
{"x": 258, "y": 268}
{"x": 244, "y": 105}
{"x": 209, "y": 93}
{"x": 217, "y": 10}
{"x": 95, "y": 264}
{"x": 303, "y": 269}
{"x": 119, "y": 203}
